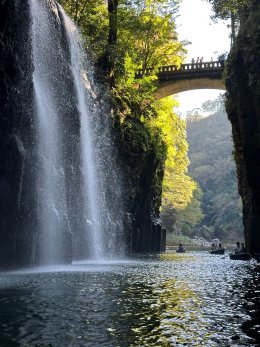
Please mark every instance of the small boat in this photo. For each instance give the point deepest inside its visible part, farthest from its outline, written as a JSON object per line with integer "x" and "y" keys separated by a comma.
{"x": 239, "y": 256}
{"x": 180, "y": 250}
{"x": 217, "y": 251}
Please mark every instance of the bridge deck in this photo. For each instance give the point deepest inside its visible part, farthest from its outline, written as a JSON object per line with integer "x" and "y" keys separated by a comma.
{"x": 213, "y": 69}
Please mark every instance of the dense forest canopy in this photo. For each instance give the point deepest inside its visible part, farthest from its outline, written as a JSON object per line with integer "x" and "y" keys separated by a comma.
{"x": 213, "y": 167}
{"x": 215, "y": 210}
{"x": 145, "y": 30}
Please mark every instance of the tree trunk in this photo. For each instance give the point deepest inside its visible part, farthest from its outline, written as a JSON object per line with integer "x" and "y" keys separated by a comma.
{"x": 233, "y": 31}
{"x": 112, "y": 17}
{"x": 107, "y": 61}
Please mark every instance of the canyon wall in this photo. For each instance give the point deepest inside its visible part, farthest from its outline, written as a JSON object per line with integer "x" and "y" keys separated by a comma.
{"x": 243, "y": 108}
{"x": 141, "y": 166}
{"x": 16, "y": 134}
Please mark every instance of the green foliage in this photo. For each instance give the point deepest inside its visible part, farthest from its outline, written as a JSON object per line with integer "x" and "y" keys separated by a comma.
{"x": 177, "y": 185}
{"x": 92, "y": 19}
{"x": 183, "y": 221}
{"x": 190, "y": 216}
{"x": 223, "y": 8}
{"x": 147, "y": 34}
{"x": 174, "y": 240}
{"x": 215, "y": 210}
{"x": 213, "y": 106}
{"x": 146, "y": 37}
{"x": 212, "y": 166}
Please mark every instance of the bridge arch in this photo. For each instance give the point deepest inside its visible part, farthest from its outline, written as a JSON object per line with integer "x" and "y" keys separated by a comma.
{"x": 173, "y": 79}
{"x": 174, "y": 87}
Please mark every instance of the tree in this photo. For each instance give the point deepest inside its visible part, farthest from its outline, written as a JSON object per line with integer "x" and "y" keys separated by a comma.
{"x": 107, "y": 60}
{"x": 141, "y": 34}
{"x": 223, "y": 8}
{"x": 178, "y": 186}
{"x": 147, "y": 33}
{"x": 213, "y": 167}
{"x": 228, "y": 9}
{"x": 189, "y": 217}
{"x": 91, "y": 17}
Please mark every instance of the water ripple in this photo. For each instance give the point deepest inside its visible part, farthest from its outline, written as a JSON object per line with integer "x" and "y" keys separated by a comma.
{"x": 168, "y": 300}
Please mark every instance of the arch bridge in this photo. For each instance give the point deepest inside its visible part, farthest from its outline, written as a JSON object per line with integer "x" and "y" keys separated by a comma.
{"x": 173, "y": 80}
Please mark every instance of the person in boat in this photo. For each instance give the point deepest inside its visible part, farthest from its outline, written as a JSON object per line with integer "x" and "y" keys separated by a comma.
{"x": 181, "y": 248}
{"x": 237, "y": 250}
{"x": 214, "y": 247}
{"x": 243, "y": 248}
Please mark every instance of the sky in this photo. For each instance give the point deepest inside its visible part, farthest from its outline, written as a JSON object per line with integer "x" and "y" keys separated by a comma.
{"x": 207, "y": 40}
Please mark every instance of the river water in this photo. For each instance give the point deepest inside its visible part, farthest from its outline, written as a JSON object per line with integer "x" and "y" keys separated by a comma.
{"x": 189, "y": 299}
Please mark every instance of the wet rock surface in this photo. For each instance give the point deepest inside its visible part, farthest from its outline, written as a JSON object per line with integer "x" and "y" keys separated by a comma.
{"x": 143, "y": 171}
{"x": 16, "y": 133}
{"x": 19, "y": 157}
{"x": 243, "y": 107}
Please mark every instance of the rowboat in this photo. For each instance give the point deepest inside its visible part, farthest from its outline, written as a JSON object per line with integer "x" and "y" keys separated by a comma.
{"x": 239, "y": 256}
{"x": 180, "y": 251}
{"x": 217, "y": 251}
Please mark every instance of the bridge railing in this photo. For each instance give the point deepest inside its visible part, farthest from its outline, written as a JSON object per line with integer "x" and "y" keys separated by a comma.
{"x": 173, "y": 69}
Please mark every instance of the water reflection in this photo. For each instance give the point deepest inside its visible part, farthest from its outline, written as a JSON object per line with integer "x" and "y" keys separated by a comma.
{"x": 10, "y": 315}
{"x": 251, "y": 303}
{"x": 172, "y": 300}
{"x": 149, "y": 314}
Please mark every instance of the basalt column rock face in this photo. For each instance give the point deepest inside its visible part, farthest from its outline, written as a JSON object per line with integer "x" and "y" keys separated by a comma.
{"x": 16, "y": 133}
{"x": 243, "y": 107}
{"x": 143, "y": 169}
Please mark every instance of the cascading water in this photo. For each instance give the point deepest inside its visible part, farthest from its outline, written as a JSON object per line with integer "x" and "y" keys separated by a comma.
{"x": 89, "y": 171}
{"x": 78, "y": 190}
{"x": 52, "y": 209}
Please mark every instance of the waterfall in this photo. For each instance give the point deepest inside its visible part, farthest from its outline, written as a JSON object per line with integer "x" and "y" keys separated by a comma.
{"x": 51, "y": 194}
{"x": 91, "y": 192}
{"x": 78, "y": 187}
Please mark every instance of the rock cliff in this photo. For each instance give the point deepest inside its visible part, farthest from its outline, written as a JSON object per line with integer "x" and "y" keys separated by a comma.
{"x": 141, "y": 165}
{"x": 16, "y": 133}
{"x": 19, "y": 159}
{"x": 243, "y": 107}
